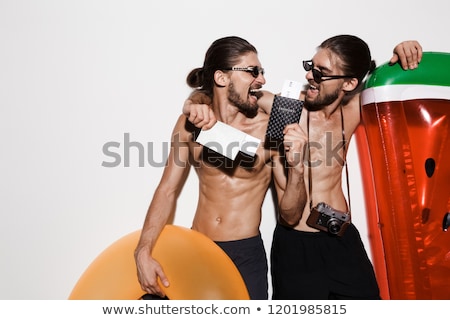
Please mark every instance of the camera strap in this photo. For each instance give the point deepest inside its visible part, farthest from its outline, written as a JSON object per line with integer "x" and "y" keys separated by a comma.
{"x": 344, "y": 147}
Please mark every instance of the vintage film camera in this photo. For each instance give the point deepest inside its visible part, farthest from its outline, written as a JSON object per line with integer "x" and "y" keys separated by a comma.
{"x": 325, "y": 218}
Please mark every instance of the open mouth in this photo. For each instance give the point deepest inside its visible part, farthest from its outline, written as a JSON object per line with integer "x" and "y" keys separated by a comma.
{"x": 311, "y": 90}
{"x": 256, "y": 93}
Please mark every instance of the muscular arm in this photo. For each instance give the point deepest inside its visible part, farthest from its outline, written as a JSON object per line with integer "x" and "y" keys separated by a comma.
{"x": 265, "y": 101}
{"x": 197, "y": 108}
{"x": 161, "y": 207}
{"x": 291, "y": 189}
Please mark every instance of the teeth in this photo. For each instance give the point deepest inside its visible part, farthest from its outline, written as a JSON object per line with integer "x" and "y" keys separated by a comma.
{"x": 256, "y": 93}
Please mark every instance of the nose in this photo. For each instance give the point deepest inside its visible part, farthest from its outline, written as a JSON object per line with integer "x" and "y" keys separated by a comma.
{"x": 260, "y": 79}
{"x": 308, "y": 75}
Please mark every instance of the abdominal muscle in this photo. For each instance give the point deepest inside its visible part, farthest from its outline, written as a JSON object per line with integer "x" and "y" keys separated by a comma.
{"x": 327, "y": 187}
{"x": 229, "y": 207}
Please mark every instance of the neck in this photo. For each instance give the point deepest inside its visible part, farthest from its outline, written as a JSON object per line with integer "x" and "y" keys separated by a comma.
{"x": 328, "y": 111}
{"x": 226, "y": 112}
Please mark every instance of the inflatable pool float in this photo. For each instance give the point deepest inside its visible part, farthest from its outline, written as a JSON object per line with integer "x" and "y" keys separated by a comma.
{"x": 196, "y": 267}
{"x": 404, "y": 151}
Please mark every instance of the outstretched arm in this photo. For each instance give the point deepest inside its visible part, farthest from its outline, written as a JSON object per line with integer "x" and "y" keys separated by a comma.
{"x": 197, "y": 108}
{"x": 408, "y": 54}
{"x": 265, "y": 101}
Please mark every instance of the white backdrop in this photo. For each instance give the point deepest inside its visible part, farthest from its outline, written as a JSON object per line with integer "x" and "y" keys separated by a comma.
{"x": 76, "y": 75}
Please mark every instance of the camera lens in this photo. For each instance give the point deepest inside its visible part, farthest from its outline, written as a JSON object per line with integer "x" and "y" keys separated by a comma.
{"x": 334, "y": 226}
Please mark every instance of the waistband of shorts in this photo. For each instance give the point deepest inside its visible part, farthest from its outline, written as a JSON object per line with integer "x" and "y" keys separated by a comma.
{"x": 286, "y": 229}
{"x": 247, "y": 242}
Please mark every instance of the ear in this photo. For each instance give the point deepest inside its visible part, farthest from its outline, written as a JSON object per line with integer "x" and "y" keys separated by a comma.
{"x": 351, "y": 84}
{"x": 221, "y": 78}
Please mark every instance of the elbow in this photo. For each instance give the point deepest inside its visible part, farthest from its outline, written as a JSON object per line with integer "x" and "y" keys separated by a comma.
{"x": 292, "y": 222}
{"x": 290, "y": 219}
{"x": 291, "y": 213}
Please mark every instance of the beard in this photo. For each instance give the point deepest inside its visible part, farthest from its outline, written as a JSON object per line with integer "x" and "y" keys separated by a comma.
{"x": 245, "y": 107}
{"x": 322, "y": 101}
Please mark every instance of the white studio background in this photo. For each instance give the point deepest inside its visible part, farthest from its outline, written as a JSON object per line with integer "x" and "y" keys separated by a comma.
{"x": 76, "y": 75}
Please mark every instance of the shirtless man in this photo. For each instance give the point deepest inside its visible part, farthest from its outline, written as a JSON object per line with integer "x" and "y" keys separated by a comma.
{"x": 230, "y": 196}
{"x": 307, "y": 263}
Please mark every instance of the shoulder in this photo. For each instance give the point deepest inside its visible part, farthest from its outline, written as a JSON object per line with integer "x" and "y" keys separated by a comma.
{"x": 265, "y": 101}
{"x": 184, "y": 129}
{"x": 302, "y": 96}
{"x": 352, "y": 112}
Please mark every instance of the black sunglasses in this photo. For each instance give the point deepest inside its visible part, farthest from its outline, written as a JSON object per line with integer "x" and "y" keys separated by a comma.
{"x": 318, "y": 76}
{"x": 254, "y": 71}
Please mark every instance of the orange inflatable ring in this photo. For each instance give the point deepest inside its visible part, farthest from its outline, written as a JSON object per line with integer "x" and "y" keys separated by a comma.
{"x": 196, "y": 267}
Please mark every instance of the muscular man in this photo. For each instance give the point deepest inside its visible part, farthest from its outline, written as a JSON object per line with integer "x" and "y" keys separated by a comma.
{"x": 230, "y": 195}
{"x": 307, "y": 263}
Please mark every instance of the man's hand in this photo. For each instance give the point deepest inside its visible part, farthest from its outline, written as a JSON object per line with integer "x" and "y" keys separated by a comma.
{"x": 148, "y": 272}
{"x": 408, "y": 54}
{"x": 201, "y": 115}
{"x": 295, "y": 141}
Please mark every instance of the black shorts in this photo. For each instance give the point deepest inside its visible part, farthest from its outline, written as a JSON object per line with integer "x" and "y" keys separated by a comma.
{"x": 320, "y": 266}
{"x": 250, "y": 258}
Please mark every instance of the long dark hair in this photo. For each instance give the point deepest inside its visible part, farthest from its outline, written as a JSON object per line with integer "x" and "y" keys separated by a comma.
{"x": 222, "y": 54}
{"x": 354, "y": 54}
